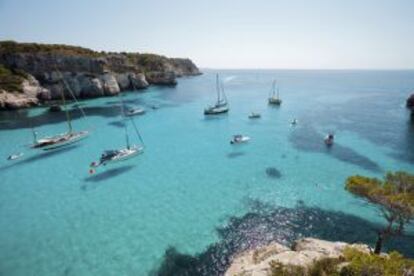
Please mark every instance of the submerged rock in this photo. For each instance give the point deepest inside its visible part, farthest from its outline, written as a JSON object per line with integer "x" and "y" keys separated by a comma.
{"x": 273, "y": 172}
{"x": 304, "y": 253}
{"x": 410, "y": 102}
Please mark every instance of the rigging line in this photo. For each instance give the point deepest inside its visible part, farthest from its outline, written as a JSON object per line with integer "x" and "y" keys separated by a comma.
{"x": 131, "y": 119}
{"x": 73, "y": 96}
{"x": 136, "y": 130}
{"x": 122, "y": 107}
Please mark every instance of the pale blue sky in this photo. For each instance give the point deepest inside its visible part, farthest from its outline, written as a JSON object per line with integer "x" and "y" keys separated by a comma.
{"x": 363, "y": 34}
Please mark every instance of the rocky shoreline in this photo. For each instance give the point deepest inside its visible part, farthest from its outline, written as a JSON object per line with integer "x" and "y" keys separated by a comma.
{"x": 42, "y": 72}
{"x": 304, "y": 253}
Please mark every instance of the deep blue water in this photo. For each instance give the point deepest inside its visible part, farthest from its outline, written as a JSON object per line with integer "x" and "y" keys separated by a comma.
{"x": 192, "y": 199}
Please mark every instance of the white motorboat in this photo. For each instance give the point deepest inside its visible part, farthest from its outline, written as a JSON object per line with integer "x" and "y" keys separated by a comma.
{"x": 239, "y": 139}
{"x": 15, "y": 156}
{"x": 135, "y": 111}
{"x": 254, "y": 115}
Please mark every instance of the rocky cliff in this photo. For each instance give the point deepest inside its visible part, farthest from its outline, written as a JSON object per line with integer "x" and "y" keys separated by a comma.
{"x": 33, "y": 73}
{"x": 303, "y": 253}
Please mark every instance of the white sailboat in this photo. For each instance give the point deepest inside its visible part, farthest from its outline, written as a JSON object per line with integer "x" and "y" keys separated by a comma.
{"x": 122, "y": 154}
{"x": 274, "y": 98}
{"x": 63, "y": 139}
{"x": 221, "y": 106}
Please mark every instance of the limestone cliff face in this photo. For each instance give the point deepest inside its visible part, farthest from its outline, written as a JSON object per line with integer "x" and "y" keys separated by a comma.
{"x": 303, "y": 253}
{"x": 88, "y": 73}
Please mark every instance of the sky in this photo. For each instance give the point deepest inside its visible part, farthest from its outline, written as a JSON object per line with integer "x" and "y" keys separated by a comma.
{"x": 287, "y": 34}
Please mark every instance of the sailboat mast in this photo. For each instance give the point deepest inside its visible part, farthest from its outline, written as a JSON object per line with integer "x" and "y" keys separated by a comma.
{"x": 124, "y": 121}
{"x": 218, "y": 88}
{"x": 68, "y": 119}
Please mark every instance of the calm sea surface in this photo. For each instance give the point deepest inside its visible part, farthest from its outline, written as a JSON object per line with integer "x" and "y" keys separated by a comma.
{"x": 191, "y": 192}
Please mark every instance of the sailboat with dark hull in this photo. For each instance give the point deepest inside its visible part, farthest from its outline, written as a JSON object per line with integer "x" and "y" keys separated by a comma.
{"x": 122, "y": 154}
{"x": 274, "y": 98}
{"x": 221, "y": 106}
{"x": 63, "y": 139}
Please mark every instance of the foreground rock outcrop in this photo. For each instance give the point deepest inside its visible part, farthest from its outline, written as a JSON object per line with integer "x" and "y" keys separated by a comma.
{"x": 34, "y": 73}
{"x": 410, "y": 102}
{"x": 303, "y": 253}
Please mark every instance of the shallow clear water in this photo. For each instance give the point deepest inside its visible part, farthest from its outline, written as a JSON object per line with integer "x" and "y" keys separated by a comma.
{"x": 56, "y": 219}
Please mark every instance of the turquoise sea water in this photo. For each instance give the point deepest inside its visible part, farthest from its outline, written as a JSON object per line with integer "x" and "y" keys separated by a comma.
{"x": 56, "y": 219}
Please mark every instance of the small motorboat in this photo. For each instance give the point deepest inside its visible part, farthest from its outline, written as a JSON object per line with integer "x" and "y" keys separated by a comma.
{"x": 329, "y": 140}
{"x": 239, "y": 139}
{"x": 294, "y": 122}
{"x": 135, "y": 111}
{"x": 15, "y": 156}
{"x": 254, "y": 115}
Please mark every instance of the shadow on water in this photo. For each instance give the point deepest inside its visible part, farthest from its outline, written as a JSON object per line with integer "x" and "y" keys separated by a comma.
{"x": 235, "y": 154}
{"x": 406, "y": 150}
{"x": 119, "y": 124}
{"x": 39, "y": 156}
{"x": 273, "y": 172}
{"x": 108, "y": 174}
{"x": 263, "y": 224}
{"x": 10, "y": 120}
{"x": 306, "y": 138}
{"x": 216, "y": 117}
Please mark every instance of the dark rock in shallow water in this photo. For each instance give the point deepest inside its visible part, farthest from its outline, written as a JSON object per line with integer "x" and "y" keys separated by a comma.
{"x": 410, "y": 102}
{"x": 235, "y": 154}
{"x": 273, "y": 172}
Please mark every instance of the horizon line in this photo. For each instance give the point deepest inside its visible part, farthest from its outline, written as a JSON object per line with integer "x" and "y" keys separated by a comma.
{"x": 307, "y": 69}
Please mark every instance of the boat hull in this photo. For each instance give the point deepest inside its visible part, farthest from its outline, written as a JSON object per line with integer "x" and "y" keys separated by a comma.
{"x": 74, "y": 138}
{"x": 275, "y": 101}
{"x": 127, "y": 155}
{"x": 215, "y": 111}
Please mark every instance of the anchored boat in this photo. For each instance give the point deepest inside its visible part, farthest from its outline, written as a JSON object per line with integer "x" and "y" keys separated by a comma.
{"x": 135, "y": 111}
{"x": 274, "y": 98}
{"x": 63, "y": 139}
{"x": 239, "y": 139}
{"x": 221, "y": 106}
{"x": 254, "y": 115}
{"x": 122, "y": 154}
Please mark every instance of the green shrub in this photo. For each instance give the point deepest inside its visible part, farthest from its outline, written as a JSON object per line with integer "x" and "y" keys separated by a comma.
{"x": 372, "y": 264}
{"x": 11, "y": 81}
{"x": 354, "y": 263}
{"x": 278, "y": 269}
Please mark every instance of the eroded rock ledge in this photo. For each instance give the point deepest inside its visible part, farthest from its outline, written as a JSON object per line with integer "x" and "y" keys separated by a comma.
{"x": 304, "y": 253}
{"x": 43, "y": 68}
